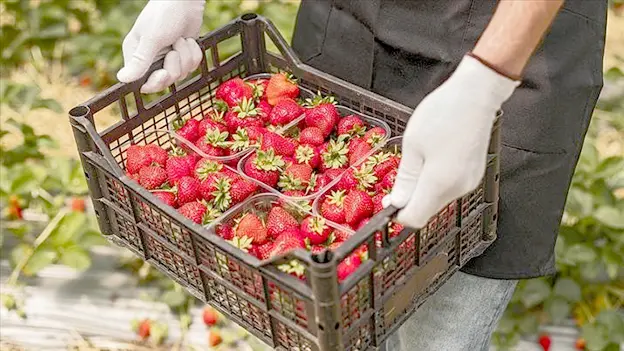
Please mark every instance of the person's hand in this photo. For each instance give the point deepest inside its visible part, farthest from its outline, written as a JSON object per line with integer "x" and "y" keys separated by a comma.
{"x": 164, "y": 27}
{"x": 446, "y": 140}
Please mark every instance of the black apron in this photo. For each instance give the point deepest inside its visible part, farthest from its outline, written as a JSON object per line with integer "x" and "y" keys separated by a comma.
{"x": 404, "y": 49}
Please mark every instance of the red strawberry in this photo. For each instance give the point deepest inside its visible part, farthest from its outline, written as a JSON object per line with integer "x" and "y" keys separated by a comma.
{"x": 188, "y": 130}
{"x": 165, "y": 196}
{"x": 152, "y": 177}
{"x": 188, "y": 190}
{"x": 332, "y": 207}
{"x": 143, "y": 329}
{"x": 308, "y": 154}
{"x": 377, "y": 203}
{"x": 395, "y": 229}
{"x": 210, "y": 316}
{"x": 279, "y": 220}
{"x": 322, "y": 114}
{"x": 351, "y": 125}
{"x": 383, "y": 163}
{"x": 242, "y": 189}
{"x": 205, "y": 167}
{"x": 357, "y": 205}
{"x": 252, "y": 227}
{"x": 209, "y": 124}
{"x": 158, "y": 154}
{"x": 315, "y": 230}
{"x": 545, "y": 342}
{"x": 264, "y": 110}
{"x": 264, "y": 166}
{"x": 234, "y": 91}
{"x": 334, "y": 155}
{"x": 286, "y": 242}
{"x": 341, "y": 235}
{"x": 242, "y": 115}
{"x": 208, "y": 186}
{"x": 387, "y": 182}
{"x": 317, "y": 249}
{"x": 194, "y": 211}
{"x": 312, "y": 136}
{"x": 214, "y": 338}
{"x": 347, "y": 181}
{"x": 284, "y": 112}
{"x": 375, "y": 135}
{"x": 281, "y": 145}
{"x": 225, "y": 231}
{"x": 334, "y": 245}
{"x": 263, "y": 251}
{"x": 358, "y": 149}
{"x": 214, "y": 143}
{"x": 178, "y": 167}
{"x": 137, "y": 157}
{"x": 296, "y": 177}
{"x": 348, "y": 266}
{"x": 321, "y": 182}
{"x": 281, "y": 86}
{"x": 134, "y": 176}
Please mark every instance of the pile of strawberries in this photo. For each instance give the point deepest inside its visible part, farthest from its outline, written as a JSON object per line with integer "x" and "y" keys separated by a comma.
{"x": 243, "y": 113}
{"x": 201, "y": 189}
{"x": 315, "y": 151}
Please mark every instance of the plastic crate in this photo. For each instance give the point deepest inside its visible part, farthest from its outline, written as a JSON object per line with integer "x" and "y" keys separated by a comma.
{"x": 318, "y": 313}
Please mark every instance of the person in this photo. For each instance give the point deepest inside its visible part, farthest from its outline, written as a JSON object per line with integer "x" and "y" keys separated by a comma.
{"x": 457, "y": 62}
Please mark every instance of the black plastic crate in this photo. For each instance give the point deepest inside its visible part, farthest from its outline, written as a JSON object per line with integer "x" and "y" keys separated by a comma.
{"x": 318, "y": 313}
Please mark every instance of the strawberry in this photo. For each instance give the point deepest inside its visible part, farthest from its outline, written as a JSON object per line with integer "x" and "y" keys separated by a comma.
{"x": 307, "y": 154}
{"x": 348, "y": 266}
{"x": 205, "y": 167}
{"x": 544, "y": 341}
{"x": 214, "y": 143}
{"x": 281, "y": 145}
{"x": 242, "y": 189}
{"x": 395, "y": 229}
{"x": 351, "y": 125}
{"x": 252, "y": 227}
{"x": 358, "y": 149}
{"x": 321, "y": 182}
{"x": 188, "y": 189}
{"x": 284, "y": 112}
{"x": 213, "y": 185}
{"x": 334, "y": 245}
{"x": 287, "y": 241}
{"x": 134, "y": 176}
{"x": 210, "y": 316}
{"x": 234, "y": 91}
{"x": 194, "y": 211}
{"x": 362, "y": 223}
{"x": 315, "y": 230}
{"x": 263, "y": 251}
{"x": 281, "y": 86}
{"x": 296, "y": 177}
{"x": 187, "y": 129}
{"x": 143, "y": 329}
{"x": 166, "y": 196}
{"x": 137, "y": 157}
{"x": 361, "y": 178}
{"x": 387, "y": 182}
{"x": 383, "y": 163}
{"x": 264, "y": 110}
{"x": 242, "y": 115}
{"x": 264, "y": 166}
{"x": 334, "y": 155}
{"x": 158, "y": 154}
{"x": 152, "y": 177}
{"x": 214, "y": 338}
{"x": 77, "y": 204}
{"x": 317, "y": 249}
{"x": 332, "y": 207}
{"x": 357, "y": 206}
{"x": 312, "y": 136}
{"x": 322, "y": 114}
{"x": 279, "y": 220}
{"x": 259, "y": 87}
{"x": 375, "y": 136}
{"x": 341, "y": 235}
{"x": 210, "y": 124}
{"x": 225, "y": 231}
{"x": 178, "y": 166}
{"x": 377, "y": 202}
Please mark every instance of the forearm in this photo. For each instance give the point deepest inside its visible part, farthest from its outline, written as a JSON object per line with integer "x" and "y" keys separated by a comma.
{"x": 514, "y": 32}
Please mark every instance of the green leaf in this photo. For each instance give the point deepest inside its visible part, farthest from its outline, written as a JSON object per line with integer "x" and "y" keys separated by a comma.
{"x": 535, "y": 292}
{"x": 613, "y": 321}
{"x": 39, "y": 260}
{"x": 76, "y": 258}
{"x": 49, "y": 104}
{"x": 581, "y": 253}
{"x": 579, "y": 203}
{"x": 558, "y": 309}
{"x": 595, "y": 336}
{"x": 92, "y": 238}
{"x": 68, "y": 228}
{"x": 20, "y": 252}
{"x": 568, "y": 289}
{"x": 610, "y": 216}
{"x": 173, "y": 298}
{"x": 609, "y": 167}
{"x": 25, "y": 181}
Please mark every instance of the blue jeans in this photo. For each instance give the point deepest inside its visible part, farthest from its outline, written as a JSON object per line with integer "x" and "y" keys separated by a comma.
{"x": 460, "y": 316}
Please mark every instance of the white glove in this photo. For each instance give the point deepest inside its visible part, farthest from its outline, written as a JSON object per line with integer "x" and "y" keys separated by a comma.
{"x": 164, "y": 26}
{"x": 446, "y": 140}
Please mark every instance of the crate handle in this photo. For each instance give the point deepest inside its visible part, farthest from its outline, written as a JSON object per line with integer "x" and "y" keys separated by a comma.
{"x": 275, "y": 36}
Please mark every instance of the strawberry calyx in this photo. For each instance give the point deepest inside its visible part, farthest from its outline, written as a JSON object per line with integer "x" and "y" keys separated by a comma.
{"x": 289, "y": 182}
{"x": 217, "y": 138}
{"x": 242, "y": 242}
{"x": 365, "y": 176}
{"x": 220, "y": 106}
{"x": 207, "y": 167}
{"x": 222, "y": 198}
{"x": 245, "y": 108}
{"x": 317, "y": 224}
{"x": 292, "y": 267}
{"x": 335, "y": 156}
{"x": 211, "y": 214}
{"x": 304, "y": 154}
{"x": 337, "y": 197}
{"x": 257, "y": 89}
{"x": 180, "y": 122}
{"x": 268, "y": 161}
{"x": 319, "y": 99}
{"x": 241, "y": 140}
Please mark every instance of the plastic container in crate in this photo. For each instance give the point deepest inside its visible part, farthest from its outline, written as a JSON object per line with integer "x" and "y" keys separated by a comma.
{"x": 318, "y": 313}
